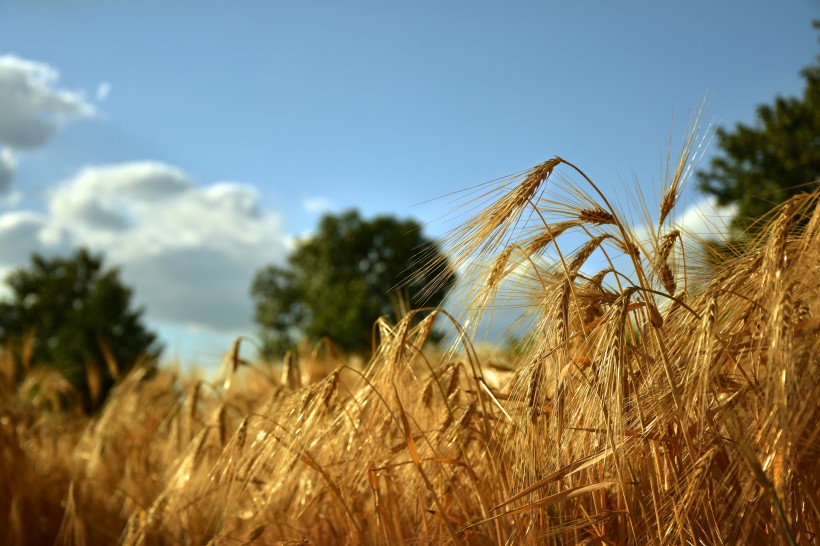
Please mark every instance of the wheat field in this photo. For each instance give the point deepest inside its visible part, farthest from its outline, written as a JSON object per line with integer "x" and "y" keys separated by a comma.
{"x": 661, "y": 398}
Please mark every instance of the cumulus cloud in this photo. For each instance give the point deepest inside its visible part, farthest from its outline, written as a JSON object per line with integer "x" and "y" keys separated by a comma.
{"x": 33, "y": 105}
{"x": 23, "y": 233}
{"x": 701, "y": 219}
{"x": 197, "y": 286}
{"x": 104, "y": 198}
{"x": 705, "y": 219}
{"x": 190, "y": 251}
{"x": 8, "y": 165}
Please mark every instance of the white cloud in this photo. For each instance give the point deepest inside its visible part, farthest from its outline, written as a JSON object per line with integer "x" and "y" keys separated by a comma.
{"x": 23, "y": 233}
{"x": 190, "y": 251}
{"x": 104, "y": 198}
{"x": 103, "y": 90}
{"x": 197, "y": 286}
{"x": 33, "y": 106}
{"x": 317, "y": 205}
{"x": 8, "y": 165}
{"x": 701, "y": 219}
{"x": 705, "y": 219}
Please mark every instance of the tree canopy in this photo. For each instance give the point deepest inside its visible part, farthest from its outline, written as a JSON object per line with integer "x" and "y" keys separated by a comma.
{"x": 72, "y": 315}
{"x": 339, "y": 281}
{"x": 761, "y": 166}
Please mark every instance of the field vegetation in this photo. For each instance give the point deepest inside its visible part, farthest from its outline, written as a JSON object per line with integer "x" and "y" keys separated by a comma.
{"x": 663, "y": 397}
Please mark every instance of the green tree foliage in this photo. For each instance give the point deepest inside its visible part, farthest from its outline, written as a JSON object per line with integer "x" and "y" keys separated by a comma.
{"x": 763, "y": 165}
{"x": 340, "y": 280}
{"x": 72, "y": 315}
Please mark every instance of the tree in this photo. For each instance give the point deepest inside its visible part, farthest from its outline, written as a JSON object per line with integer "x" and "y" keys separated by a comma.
{"x": 73, "y": 316}
{"x": 763, "y": 165}
{"x": 340, "y": 280}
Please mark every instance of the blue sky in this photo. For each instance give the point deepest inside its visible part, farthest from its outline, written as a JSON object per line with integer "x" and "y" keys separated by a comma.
{"x": 193, "y": 141}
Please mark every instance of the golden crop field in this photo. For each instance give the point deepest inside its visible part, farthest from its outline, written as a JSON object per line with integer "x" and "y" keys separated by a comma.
{"x": 662, "y": 398}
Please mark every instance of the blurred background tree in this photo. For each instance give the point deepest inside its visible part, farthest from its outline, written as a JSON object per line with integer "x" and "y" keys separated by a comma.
{"x": 340, "y": 280}
{"x": 72, "y": 315}
{"x": 763, "y": 165}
